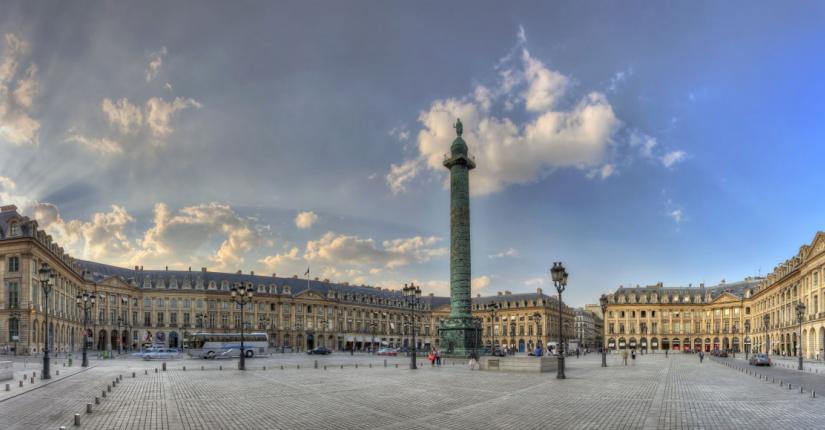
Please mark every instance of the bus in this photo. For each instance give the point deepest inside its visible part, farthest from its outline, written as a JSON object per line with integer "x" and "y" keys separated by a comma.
{"x": 211, "y": 345}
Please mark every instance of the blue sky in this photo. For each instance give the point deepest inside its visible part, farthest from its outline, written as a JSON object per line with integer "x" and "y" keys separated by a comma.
{"x": 635, "y": 142}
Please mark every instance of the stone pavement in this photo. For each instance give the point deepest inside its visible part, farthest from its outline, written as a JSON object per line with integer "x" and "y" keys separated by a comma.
{"x": 653, "y": 392}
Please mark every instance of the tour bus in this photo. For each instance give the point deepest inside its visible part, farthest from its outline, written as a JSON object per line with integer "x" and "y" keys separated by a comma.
{"x": 224, "y": 345}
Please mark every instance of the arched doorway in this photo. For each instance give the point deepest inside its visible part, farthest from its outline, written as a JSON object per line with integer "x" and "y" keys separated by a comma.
{"x": 632, "y": 343}
{"x": 643, "y": 343}
{"x": 716, "y": 343}
{"x": 114, "y": 339}
{"x": 310, "y": 341}
{"x": 654, "y": 343}
{"x": 124, "y": 339}
{"x": 622, "y": 343}
{"x": 521, "y": 345}
{"x": 675, "y": 344}
{"x": 101, "y": 340}
{"x": 173, "y": 340}
{"x": 611, "y": 343}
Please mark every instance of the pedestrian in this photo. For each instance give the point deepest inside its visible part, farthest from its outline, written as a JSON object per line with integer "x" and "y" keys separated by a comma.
{"x": 665, "y": 353}
{"x": 701, "y": 356}
{"x": 577, "y": 352}
{"x": 438, "y": 358}
{"x": 624, "y": 356}
{"x": 431, "y": 357}
{"x": 473, "y": 360}
{"x": 633, "y": 355}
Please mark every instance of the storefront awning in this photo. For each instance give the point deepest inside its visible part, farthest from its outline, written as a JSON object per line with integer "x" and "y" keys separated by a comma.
{"x": 350, "y": 339}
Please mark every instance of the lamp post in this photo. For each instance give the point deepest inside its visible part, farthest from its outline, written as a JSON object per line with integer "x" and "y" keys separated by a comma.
{"x": 494, "y": 307}
{"x": 85, "y": 301}
{"x": 537, "y": 319}
{"x": 119, "y": 335}
{"x": 373, "y": 325}
{"x": 800, "y": 315}
{"x": 46, "y": 275}
{"x": 766, "y": 319}
{"x": 412, "y": 294}
{"x": 603, "y": 303}
{"x": 559, "y": 277}
{"x": 241, "y": 296}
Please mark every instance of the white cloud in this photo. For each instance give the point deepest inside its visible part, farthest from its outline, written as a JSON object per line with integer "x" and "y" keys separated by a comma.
{"x": 619, "y": 78}
{"x": 643, "y": 142}
{"x": 159, "y": 113}
{"x": 18, "y": 90}
{"x": 102, "y": 238}
{"x": 103, "y": 145}
{"x": 400, "y": 133}
{"x": 125, "y": 116}
{"x": 509, "y": 252}
{"x": 673, "y": 157}
{"x": 676, "y": 215}
{"x": 283, "y": 261}
{"x": 155, "y": 62}
{"x": 603, "y": 172}
{"x": 400, "y": 175}
{"x": 507, "y": 152}
{"x": 534, "y": 282}
{"x": 305, "y": 219}
{"x": 345, "y": 250}
{"x": 480, "y": 284}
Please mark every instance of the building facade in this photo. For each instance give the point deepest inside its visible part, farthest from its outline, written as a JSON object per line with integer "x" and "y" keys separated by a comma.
{"x": 135, "y": 307}
{"x": 588, "y": 329}
{"x": 728, "y": 316}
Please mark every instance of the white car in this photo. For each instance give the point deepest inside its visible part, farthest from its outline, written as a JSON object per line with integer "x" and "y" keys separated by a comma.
{"x": 161, "y": 354}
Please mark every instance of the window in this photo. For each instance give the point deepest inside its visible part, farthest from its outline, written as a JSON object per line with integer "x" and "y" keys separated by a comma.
{"x": 186, "y": 303}
{"x": 173, "y": 318}
{"x": 160, "y": 319}
{"x": 14, "y": 264}
{"x": 173, "y": 303}
{"x": 14, "y": 333}
{"x": 186, "y": 320}
{"x": 14, "y": 294}
{"x": 147, "y": 303}
{"x": 14, "y": 229}
{"x": 147, "y": 319}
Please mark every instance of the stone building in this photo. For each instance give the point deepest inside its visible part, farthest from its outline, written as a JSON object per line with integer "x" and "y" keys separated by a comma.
{"x": 728, "y": 316}
{"x": 137, "y": 306}
{"x": 588, "y": 329}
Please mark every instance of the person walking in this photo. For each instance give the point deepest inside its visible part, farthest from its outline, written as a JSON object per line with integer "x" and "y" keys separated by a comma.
{"x": 438, "y": 358}
{"x": 578, "y": 352}
{"x": 701, "y": 356}
{"x": 633, "y": 355}
{"x": 473, "y": 361}
{"x": 431, "y": 357}
{"x": 624, "y": 356}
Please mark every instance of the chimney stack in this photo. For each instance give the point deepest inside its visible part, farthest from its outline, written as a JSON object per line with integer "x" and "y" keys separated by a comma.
{"x": 8, "y": 208}
{"x": 252, "y": 272}
{"x": 203, "y": 269}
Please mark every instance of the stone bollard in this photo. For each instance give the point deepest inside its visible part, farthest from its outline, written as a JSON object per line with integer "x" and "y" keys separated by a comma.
{"x": 8, "y": 388}
{"x": 325, "y": 367}
{"x": 133, "y": 374}
{"x": 57, "y": 373}
{"x": 356, "y": 365}
{"x": 145, "y": 371}
{"x": 184, "y": 368}
{"x": 342, "y": 367}
{"x": 97, "y": 400}
{"x": 813, "y": 393}
{"x": 21, "y": 383}
{"x": 32, "y": 380}
{"x": 316, "y": 364}
{"x": 264, "y": 367}
{"x": 801, "y": 390}
{"x": 220, "y": 367}
{"x": 88, "y": 408}
{"x": 282, "y": 367}
{"x": 103, "y": 394}
{"x": 385, "y": 362}
{"x": 163, "y": 365}
{"x": 109, "y": 388}
{"x": 396, "y": 365}
{"x": 77, "y": 420}
{"x": 790, "y": 386}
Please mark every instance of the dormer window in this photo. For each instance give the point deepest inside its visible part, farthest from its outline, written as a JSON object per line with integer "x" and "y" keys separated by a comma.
{"x": 14, "y": 229}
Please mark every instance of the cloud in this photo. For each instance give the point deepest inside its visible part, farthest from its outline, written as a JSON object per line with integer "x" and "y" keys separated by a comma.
{"x": 18, "y": 90}
{"x": 159, "y": 113}
{"x": 10, "y": 194}
{"x": 619, "y": 78}
{"x": 508, "y": 152}
{"x": 305, "y": 219}
{"x": 534, "y": 282}
{"x": 676, "y": 215}
{"x": 400, "y": 175}
{"x": 155, "y": 62}
{"x": 480, "y": 284}
{"x": 101, "y": 238}
{"x": 283, "y": 261}
{"x": 345, "y": 250}
{"x": 509, "y": 252}
{"x": 125, "y": 116}
{"x": 102, "y": 145}
{"x": 603, "y": 172}
{"x": 673, "y": 157}
{"x": 643, "y": 142}
{"x": 400, "y": 133}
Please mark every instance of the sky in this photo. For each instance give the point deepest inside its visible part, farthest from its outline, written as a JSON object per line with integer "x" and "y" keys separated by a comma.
{"x": 635, "y": 142}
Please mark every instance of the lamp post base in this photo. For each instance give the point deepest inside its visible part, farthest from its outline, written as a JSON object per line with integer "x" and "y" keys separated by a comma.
{"x": 560, "y": 374}
{"x": 604, "y": 359}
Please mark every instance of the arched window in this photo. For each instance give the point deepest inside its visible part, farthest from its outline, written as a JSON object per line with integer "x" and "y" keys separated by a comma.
{"x": 14, "y": 264}
{"x": 14, "y": 229}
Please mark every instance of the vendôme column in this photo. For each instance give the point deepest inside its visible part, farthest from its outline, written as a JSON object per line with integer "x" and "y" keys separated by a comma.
{"x": 460, "y": 331}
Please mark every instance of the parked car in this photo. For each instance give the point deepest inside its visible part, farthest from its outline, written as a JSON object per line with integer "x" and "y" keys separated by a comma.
{"x": 162, "y": 354}
{"x": 760, "y": 360}
{"x": 320, "y": 350}
{"x": 388, "y": 351}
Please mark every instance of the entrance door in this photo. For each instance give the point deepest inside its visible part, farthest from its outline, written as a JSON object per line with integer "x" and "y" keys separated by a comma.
{"x": 310, "y": 342}
{"x": 521, "y": 345}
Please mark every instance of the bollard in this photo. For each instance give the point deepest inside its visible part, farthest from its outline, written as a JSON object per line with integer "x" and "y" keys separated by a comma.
{"x": 97, "y": 400}
{"x": 103, "y": 394}
{"x": 385, "y": 362}
{"x": 370, "y": 365}
{"x": 813, "y": 393}
{"x": 801, "y": 390}
{"x": 88, "y": 408}
{"x": 8, "y": 388}
{"x": 108, "y": 388}
{"x": 356, "y": 365}
{"x": 790, "y": 387}
{"x": 316, "y": 364}
{"x": 77, "y": 420}
{"x": 325, "y": 367}
{"x": 32, "y": 380}
{"x": 145, "y": 371}
{"x": 133, "y": 374}
{"x": 264, "y": 367}
{"x": 21, "y": 383}
{"x": 299, "y": 366}
{"x": 282, "y": 367}
{"x": 57, "y": 373}
{"x": 220, "y": 367}
{"x": 163, "y": 365}
{"x": 342, "y": 367}
{"x": 184, "y": 368}
{"x": 396, "y": 365}
{"x": 201, "y": 367}
{"x": 64, "y": 364}
{"x": 156, "y": 370}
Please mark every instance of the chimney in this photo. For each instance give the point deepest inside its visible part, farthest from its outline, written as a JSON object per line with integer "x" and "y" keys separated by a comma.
{"x": 238, "y": 272}
{"x": 252, "y": 272}
{"x": 203, "y": 269}
{"x": 8, "y": 208}
{"x": 702, "y": 285}
{"x": 538, "y": 291}
{"x": 167, "y": 268}
{"x": 137, "y": 268}
{"x": 498, "y": 293}
{"x": 141, "y": 268}
{"x": 273, "y": 275}
{"x": 190, "y": 268}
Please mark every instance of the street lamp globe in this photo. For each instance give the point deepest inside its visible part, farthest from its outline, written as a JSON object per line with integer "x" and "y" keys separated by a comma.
{"x": 800, "y": 311}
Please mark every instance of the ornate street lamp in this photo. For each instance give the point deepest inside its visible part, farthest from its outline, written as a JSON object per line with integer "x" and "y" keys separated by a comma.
{"x": 85, "y": 301}
{"x": 241, "y": 296}
{"x": 493, "y": 308}
{"x": 537, "y": 319}
{"x": 559, "y": 277}
{"x": 603, "y": 303}
{"x": 412, "y": 295}
{"x": 46, "y": 275}
{"x": 373, "y": 326}
{"x": 766, "y": 319}
{"x": 800, "y": 315}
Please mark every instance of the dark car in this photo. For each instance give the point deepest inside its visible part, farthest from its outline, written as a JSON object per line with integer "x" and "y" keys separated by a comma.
{"x": 759, "y": 360}
{"x": 319, "y": 351}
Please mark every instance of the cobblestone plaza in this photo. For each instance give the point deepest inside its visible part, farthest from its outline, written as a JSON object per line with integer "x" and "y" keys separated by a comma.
{"x": 652, "y": 392}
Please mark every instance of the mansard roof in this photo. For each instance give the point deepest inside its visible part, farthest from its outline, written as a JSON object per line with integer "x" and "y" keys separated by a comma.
{"x": 737, "y": 289}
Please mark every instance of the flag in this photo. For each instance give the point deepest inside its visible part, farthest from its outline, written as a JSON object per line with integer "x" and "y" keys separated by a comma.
{"x": 307, "y": 273}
